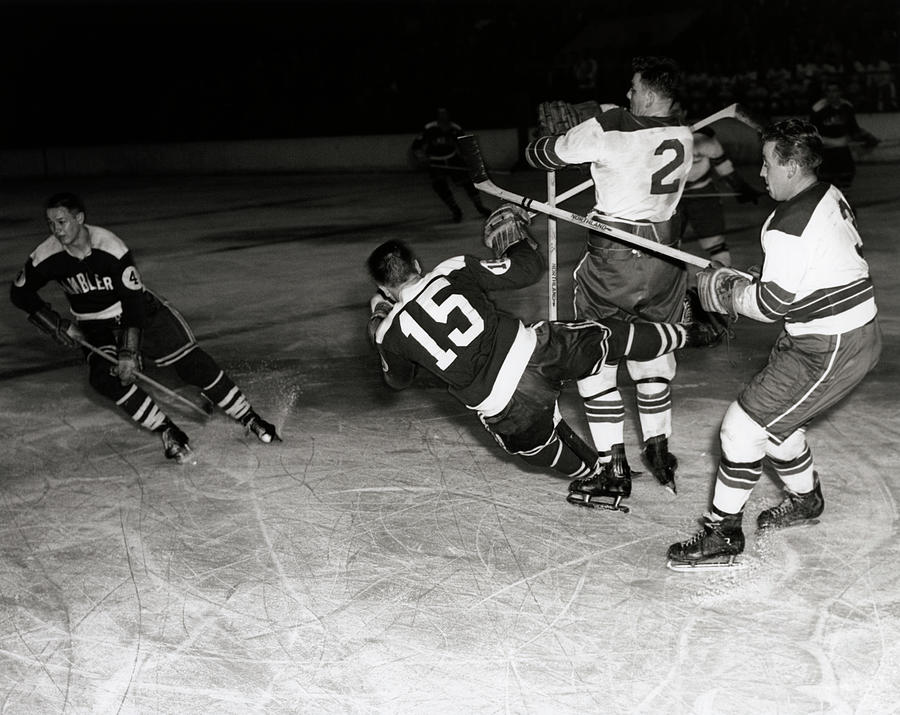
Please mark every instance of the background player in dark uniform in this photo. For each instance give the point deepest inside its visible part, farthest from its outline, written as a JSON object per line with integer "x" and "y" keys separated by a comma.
{"x": 639, "y": 158}
{"x": 702, "y": 214}
{"x": 116, "y": 313}
{"x": 509, "y": 373}
{"x": 435, "y": 151}
{"x": 835, "y": 118}
{"x": 816, "y": 281}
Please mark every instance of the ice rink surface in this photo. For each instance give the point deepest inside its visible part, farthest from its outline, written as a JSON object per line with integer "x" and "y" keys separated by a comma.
{"x": 387, "y": 557}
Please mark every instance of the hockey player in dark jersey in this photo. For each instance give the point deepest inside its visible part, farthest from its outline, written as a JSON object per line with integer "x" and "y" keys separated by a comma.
{"x": 701, "y": 213}
{"x": 435, "y": 151}
{"x": 814, "y": 279}
{"x": 509, "y": 373}
{"x": 114, "y": 312}
{"x": 835, "y": 118}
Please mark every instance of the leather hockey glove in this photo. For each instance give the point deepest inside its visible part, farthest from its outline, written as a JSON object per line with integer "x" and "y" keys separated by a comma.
{"x": 716, "y": 285}
{"x": 128, "y": 359}
{"x": 505, "y": 227}
{"x": 556, "y": 118}
{"x": 379, "y": 308}
{"x": 704, "y": 329}
{"x": 64, "y": 332}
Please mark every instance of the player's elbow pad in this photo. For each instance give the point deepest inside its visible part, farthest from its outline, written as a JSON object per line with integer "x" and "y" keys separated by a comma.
{"x": 541, "y": 154}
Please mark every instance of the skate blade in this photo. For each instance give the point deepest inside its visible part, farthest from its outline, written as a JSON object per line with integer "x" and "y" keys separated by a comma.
{"x": 688, "y": 566}
{"x": 670, "y": 487}
{"x": 586, "y": 501}
{"x": 185, "y": 458}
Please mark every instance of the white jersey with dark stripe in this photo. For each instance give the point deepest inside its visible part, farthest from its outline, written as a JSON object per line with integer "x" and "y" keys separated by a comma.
{"x": 639, "y": 164}
{"x": 813, "y": 276}
{"x": 446, "y": 323}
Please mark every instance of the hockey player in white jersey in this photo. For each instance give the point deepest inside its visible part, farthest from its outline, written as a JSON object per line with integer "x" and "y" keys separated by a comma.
{"x": 639, "y": 159}
{"x": 814, "y": 278}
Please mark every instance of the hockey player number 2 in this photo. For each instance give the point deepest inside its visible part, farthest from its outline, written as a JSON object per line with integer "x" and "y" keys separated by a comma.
{"x": 440, "y": 313}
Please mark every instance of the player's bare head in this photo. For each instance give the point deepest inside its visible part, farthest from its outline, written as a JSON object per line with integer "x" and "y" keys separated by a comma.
{"x": 659, "y": 74}
{"x": 795, "y": 140}
{"x": 65, "y": 200}
{"x": 392, "y": 264}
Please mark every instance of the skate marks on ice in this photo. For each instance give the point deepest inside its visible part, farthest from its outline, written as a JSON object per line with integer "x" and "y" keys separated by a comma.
{"x": 388, "y": 558}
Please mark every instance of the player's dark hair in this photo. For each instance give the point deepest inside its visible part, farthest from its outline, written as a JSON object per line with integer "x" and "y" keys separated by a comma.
{"x": 65, "y": 200}
{"x": 795, "y": 139}
{"x": 661, "y": 74}
{"x": 392, "y": 263}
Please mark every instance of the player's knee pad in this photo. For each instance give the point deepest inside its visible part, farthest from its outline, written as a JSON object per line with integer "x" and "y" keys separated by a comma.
{"x": 662, "y": 367}
{"x": 790, "y": 448}
{"x": 743, "y": 439}
{"x": 600, "y": 382}
{"x": 651, "y": 386}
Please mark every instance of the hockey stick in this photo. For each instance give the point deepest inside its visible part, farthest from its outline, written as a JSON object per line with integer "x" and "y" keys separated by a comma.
{"x": 471, "y": 152}
{"x": 150, "y": 381}
{"x": 552, "y": 260}
{"x": 732, "y": 111}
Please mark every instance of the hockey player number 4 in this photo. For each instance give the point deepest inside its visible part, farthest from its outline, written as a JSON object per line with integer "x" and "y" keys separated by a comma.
{"x": 440, "y": 313}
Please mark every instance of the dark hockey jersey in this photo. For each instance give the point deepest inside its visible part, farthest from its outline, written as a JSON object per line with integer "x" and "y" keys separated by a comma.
{"x": 104, "y": 284}
{"x": 446, "y": 323}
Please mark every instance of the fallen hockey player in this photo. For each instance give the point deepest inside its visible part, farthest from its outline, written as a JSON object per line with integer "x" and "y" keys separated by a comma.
{"x": 509, "y": 373}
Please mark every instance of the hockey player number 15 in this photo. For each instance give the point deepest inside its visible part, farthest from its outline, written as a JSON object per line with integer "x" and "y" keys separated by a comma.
{"x": 440, "y": 313}
{"x": 658, "y": 184}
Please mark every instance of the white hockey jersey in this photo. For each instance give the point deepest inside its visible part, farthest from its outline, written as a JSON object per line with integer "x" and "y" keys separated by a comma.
{"x": 814, "y": 275}
{"x": 639, "y": 164}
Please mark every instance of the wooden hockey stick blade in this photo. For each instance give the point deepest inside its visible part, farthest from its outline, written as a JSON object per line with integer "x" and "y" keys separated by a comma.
{"x": 149, "y": 381}
{"x": 732, "y": 111}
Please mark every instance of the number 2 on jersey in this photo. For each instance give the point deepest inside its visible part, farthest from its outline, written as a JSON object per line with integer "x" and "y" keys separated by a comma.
{"x": 440, "y": 313}
{"x": 657, "y": 181}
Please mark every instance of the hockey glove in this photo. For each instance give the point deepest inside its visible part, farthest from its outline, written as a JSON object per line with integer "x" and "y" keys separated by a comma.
{"x": 556, "y": 118}
{"x": 128, "y": 359}
{"x": 64, "y": 332}
{"x": 505, "y": 227}
{"x": 716, "y": 285}
{"x": 704, "y": 329}
{"x": 379, "y": 308}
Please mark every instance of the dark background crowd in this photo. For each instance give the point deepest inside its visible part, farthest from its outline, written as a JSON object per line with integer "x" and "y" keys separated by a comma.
{"x": 144, "y": 71}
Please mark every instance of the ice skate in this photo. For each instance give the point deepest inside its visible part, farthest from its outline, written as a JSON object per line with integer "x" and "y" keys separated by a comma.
{"x": 606, "y": 487}
{"x": 265, "y": 431}
{"x": 795, "y": 510}
{"x": 175, "y": 443}
{"x": 660, "y": 461}
{"x": 715, "y": 546}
